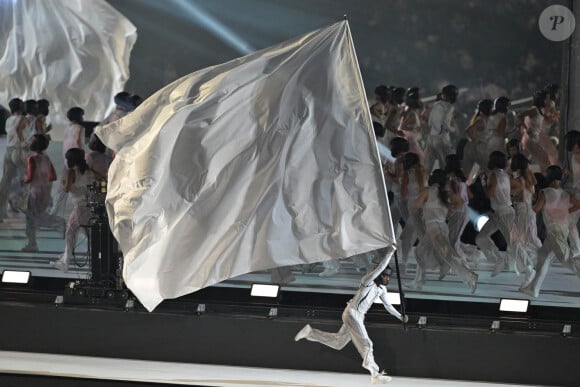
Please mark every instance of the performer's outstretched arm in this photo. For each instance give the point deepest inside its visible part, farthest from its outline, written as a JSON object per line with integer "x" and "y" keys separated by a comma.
{"x": 371, "y": 275}
{"x": 390, "y": 308}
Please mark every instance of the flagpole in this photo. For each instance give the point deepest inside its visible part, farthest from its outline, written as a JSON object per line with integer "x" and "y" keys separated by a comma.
{"x": 373, "y": 138}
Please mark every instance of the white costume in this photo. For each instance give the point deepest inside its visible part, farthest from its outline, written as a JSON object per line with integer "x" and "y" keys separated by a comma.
{"x": 457, "y": 221}
{"x": 74, "y": 137}
{"x": 412, "y": 131}
{"x": 353, "y": 319}
{"x": 524, "y": 237}
{"x": 496, "y": 139}
{"x": 539, "y": 145}
{"x": 79, "y": 216}
{"x": 434, "y": 247}
{"x": 476, "y": 150}
{"x": 414, "y": 225}
{"x": 555, "y": 214}
{"x": 501, "y": 219}
{"x": 438, "y": 141}
{"x": 14, "y": 161}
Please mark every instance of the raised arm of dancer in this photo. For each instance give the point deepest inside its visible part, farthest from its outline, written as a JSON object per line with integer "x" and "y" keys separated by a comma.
{"x": 371, "y": 275}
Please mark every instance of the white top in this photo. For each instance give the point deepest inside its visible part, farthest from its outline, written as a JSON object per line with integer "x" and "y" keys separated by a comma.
{"x": 555, "y": 211}
{"x": 434, "y": 211}
{"x": 496, "y": 141}
{"x": 413, "y": 188}
{"x": 42, "y": 169}
{"x": 74, "y": 137}
{"x": 440, "y": 118}
{"x": 11, "y": 135}
{"x": 79, "y": 188}
{"x": 535, "y": 125}
{"x": 501, "y": 198}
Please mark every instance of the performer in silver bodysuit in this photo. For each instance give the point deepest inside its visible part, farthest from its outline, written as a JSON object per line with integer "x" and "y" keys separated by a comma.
{"x": 373, "y": 285}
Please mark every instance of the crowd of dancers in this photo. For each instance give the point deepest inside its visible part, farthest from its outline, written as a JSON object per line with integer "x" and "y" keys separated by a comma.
{"x": 28, "y": 172}
{"x": 504, "y": 164}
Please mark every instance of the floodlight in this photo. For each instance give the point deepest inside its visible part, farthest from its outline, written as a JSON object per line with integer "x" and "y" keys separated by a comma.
{"x": 15, "y": 277}
{"x": 511, "y": 305}
{"x": 273, "y": 313}
{"x": 566, "y": 330}
{"x": 495, "y": 326}
{"x": 129, "y": 305}
{"x": 264, "y": 290}
{"x": 200, "y": 309}
{"x": 422, "y": 323}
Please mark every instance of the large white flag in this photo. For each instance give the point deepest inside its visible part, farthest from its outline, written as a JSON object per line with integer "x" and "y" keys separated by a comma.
{"x": 265, "y": 161}
{"x": 71, "y": 52}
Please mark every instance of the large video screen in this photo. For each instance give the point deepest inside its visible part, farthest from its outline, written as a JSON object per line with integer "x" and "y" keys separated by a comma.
{"x": 442, "y": 78}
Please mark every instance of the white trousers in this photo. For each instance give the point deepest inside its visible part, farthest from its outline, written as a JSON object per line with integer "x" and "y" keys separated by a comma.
{"x": 352, "y": 329}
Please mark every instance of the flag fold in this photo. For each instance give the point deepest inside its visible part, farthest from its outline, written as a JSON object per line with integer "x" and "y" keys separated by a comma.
{"x": 265, "y": 161}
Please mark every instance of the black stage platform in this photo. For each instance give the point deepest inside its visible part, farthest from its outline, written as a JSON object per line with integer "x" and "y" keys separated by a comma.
{"x": 235, "y": 330}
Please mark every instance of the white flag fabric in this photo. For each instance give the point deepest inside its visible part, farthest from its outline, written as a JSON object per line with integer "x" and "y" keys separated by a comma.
{"x": 71, "y": 52}
{"x": 265, "y": 161}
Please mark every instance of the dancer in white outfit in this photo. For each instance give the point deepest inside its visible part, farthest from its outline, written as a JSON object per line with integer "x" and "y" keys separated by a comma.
{"x": 413, "y": 182}
{"x": 555, "y": 205}
{"x": 78, "y": 178}
{"x": 435, "y": 246}
{"x": 459, "y": 195}
{"x": 440, "y": 125}
{"x": 372, "y": 285}
{"x": 15, "y": 156}
{"x": 410, "y": 126}
{"x": 40, "y": 174}
{"x": 524, "y": 238}
{"x": 537, "y": 143}
{"x": 498, "y": 125}
{"x": 502, "y": 218}
{"x": 479, "y": 134}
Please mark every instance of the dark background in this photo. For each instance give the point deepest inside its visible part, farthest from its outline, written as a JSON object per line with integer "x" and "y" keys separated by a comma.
{"x": 491, "y": 47}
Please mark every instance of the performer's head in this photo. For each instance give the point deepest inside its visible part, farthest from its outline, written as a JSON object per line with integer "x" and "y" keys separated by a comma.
{"x": 554, "y": 174}
{"x": 501, "y": 105}
{"x": 123, "y": 101}
{"x": 39, "y": 143}
{"x": 75, "y": 157}
{"x": 43, "y": 107}
{"x": 453, "y": 166}
{"x": 573, "y": 141}
{"x": 382, "y": 93}
{"x": 412, "y": 99}
{"x": 449, "y": 93}
{"x": 30, "y": 107}
{"x": 75, "y": 114}
{"x": 398, "y": 95}
{"x": 553, "y": 91}
{"x": 411, "y": 161}
{"x": 497, "y": 160}
{"x": 484, "y": 107}
{"x": 399, "y": 146}
{"x": 513, "y": 147}
{"x": 384, "y": 277}
{"x": 16, "y": 105}
{"x": 539, "y": 99}
{"x": 519, "y": 163}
